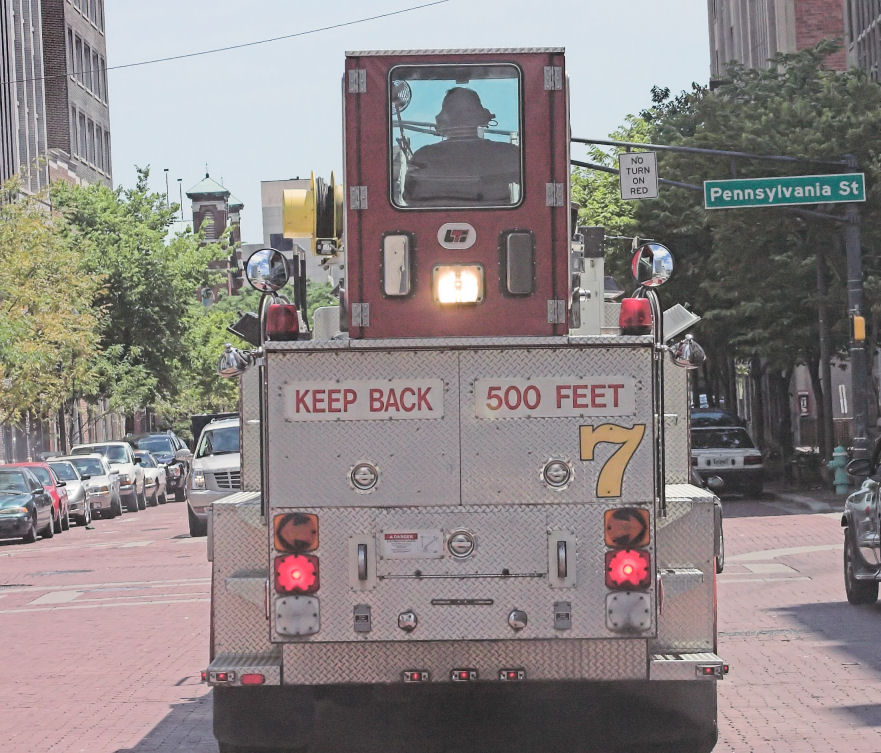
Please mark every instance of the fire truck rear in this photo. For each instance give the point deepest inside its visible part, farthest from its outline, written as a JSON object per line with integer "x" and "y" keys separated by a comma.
{"x": 467, "y": 522}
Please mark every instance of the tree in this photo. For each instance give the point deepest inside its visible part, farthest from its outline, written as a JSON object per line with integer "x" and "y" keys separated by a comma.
{"x": 48, "y": 310}
{"x": 148, "y": 299}
{"x": 753, "y": 273}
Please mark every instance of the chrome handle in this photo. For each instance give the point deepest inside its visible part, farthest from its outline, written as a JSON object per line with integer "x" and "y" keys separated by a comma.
{"x": 362, "y": 561}
{"x": 562, "y": 565}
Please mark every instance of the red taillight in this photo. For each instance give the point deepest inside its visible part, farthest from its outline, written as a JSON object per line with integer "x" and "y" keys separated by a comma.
{"x": 253, "y": 679}
{"x": 282, "y": 322}
{"x": 752, "y": 460}
{"x": 296, "y": 573}
{"x": 628, "y": 568}
{"x": 635, "y": 317}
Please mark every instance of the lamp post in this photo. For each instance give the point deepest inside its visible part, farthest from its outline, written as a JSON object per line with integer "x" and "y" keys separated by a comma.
{"x": 167, "y": 204}
{"x": 180, "y": 191}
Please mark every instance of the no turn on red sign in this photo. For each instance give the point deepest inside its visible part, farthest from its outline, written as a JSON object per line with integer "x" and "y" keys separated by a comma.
{"x": 638, "y": 175}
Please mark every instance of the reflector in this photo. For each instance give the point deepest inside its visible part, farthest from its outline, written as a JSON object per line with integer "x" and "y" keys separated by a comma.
{"x": 628, "y": 569}
{"x": 296, "y": 573}
{"x": 296, "y": 532}
{"x": 627, "y": 527}
{"x": 253, "y": 679}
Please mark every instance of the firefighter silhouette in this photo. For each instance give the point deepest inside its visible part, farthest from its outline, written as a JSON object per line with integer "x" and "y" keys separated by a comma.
{"x": 464, "y": 168}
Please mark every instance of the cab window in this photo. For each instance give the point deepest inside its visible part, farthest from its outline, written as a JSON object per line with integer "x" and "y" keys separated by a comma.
{"x": 455, "y": 136}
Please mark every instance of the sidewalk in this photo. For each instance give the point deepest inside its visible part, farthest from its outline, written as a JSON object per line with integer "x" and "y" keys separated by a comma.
{"x": 812, "y": 497}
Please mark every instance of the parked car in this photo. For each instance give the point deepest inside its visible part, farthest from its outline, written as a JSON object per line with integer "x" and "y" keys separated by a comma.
{"x": 26, "y": 508}
{"x": 121, "y": 456}
{"x": 76, "y": 490}
{"x": 172, "y": 452}
{"x": 154, "y": 478}
{"x": 729, "y": 453}
{"x": 217, "y": 470}
{"x": 714, "y": 417}
{"x": 101, "y": 482}
{"x": 56, "y": 488}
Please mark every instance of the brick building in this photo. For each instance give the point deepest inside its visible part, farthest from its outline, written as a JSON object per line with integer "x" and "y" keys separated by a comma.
{"x": 215, "y": 209}
{"x": 752, "y": 31}
{"x": 54, "y": 111}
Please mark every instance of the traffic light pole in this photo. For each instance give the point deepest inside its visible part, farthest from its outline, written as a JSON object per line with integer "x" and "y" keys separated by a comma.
{"x": 859, "y": 373}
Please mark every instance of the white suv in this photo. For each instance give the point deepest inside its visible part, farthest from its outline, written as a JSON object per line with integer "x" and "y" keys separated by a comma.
{"x": 217, "y": 470}
{"x": 121, "y": 457}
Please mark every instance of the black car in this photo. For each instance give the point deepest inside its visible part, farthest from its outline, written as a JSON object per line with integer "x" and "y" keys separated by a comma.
{"x": 172, "y": 452}
{"x": 25, "y": 506}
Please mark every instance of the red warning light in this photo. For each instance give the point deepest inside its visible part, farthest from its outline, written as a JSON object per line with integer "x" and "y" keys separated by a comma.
{"x": 628, "y": 568}
{"x": 296, "y": 573}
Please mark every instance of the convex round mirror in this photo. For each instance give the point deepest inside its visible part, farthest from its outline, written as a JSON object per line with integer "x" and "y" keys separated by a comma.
{"x": 267, "y": 270}
{"x": 652, "y": 265}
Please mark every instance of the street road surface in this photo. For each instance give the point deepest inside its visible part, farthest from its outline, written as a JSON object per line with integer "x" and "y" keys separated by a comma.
{"x": 105, "y": 633}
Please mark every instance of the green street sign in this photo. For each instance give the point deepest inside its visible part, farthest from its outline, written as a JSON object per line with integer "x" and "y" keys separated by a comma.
{"x": 776, "y": 192}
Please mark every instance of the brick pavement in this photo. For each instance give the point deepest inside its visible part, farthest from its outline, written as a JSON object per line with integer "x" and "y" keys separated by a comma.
{"x": 805, "y": 664}
{"x": 131, "y": 596}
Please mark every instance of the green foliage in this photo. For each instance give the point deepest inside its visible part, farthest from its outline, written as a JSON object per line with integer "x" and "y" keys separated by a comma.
{"x": 752, "y": 274}
{"x": 148, "y": 297}
{"x": 48, "y": 309}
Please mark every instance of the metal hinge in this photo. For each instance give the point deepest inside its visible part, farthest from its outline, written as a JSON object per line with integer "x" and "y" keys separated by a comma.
{"x": 360, "y": 314}
{"x": 555, "y": 194}
{"x": 553, "y": 78}
{"x": 556, "y": 312}
{"x": 357, "y": 81}
{"x": 357, "y": 197}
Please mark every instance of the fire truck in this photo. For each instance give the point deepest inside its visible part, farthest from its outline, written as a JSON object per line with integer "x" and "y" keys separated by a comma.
{"x": 466, "y": 519}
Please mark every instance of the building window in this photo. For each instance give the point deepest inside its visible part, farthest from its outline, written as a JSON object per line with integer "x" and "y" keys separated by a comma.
{"x": 102, "y": 72}
{"x": 78, "y": 58}
{"x": 82, "y": 136}
{"x": 96, "y": 77}
{"x": 99, "y": 148}
{"x": 70, "y": 65}
{"x": 74, "y": 143}
{"x": 91, "y": 142}
{"x": 100, "y": 6}
{"x": 107, "y": 152}
{"x": 87, "y": 70}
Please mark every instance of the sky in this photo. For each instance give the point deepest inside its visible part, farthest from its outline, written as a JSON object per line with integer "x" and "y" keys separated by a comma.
{"x": 273, "y": 111}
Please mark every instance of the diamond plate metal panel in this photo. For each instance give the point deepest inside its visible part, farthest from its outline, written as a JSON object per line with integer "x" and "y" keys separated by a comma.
{"x": 267, "y": 664}
{"x": 418, "y": 459}
{"x": 238, "y": 615}
{"x": 685, "y": 543}
{"x": 677, "y": 444}
{"x": 249, "y": 410}
{"x": 468, "y": 598}
{"x": 502, "y": 458}
{"x": 543, "y": 660}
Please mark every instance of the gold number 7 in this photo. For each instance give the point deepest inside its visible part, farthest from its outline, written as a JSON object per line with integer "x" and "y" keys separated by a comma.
{"x": 612, "y": 473}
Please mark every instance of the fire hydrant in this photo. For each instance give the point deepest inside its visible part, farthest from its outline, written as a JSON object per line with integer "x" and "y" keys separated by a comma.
{"x": 837, "y": 464}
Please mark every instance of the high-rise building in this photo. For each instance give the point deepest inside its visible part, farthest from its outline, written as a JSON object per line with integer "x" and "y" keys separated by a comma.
{"x": 752, "y": 31}
{"x": 863, "y": 28}
{"x": 54, "y": 113}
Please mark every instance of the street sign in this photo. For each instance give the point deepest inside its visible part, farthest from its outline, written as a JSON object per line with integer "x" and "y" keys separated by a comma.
{"x": 638, "y": 175}
{"x": 776, "y": 192}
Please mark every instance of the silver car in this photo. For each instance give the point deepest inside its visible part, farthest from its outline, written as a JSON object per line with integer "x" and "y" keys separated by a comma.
{"x": 79, "y": 508}
{"x": 154, "y": 478}
{"x": 121, "y": 456}
{"x": 101, "y": 483}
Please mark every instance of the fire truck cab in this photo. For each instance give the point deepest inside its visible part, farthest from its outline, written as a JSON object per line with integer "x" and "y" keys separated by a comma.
{"x": 466, "y": 520}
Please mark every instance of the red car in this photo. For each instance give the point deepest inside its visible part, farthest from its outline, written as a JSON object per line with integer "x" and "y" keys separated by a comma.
{"x": 56, "y": 488}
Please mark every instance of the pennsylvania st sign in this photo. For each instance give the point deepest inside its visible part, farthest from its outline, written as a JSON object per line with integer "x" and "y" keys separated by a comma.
{"x": 776, "y": 192}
